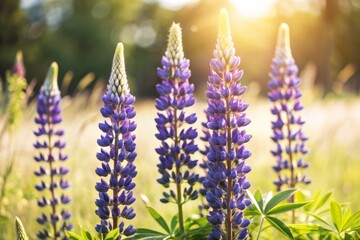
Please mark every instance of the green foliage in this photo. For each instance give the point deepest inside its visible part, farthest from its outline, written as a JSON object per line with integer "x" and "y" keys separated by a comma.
{"x": 266, "y": 209}
{"x": 86, "y": 235}
{"x": 5, "y": 176}
{"x": 16, "y": 98}
{"x": 334, "y": 222}
{"x": 195, "y": 228}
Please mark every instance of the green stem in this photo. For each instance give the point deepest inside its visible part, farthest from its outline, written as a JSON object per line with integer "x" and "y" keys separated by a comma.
{"x": 116, "y": 189}
{"x": 228, "y": 166}
{"x": 178, "y": 185}
{"x": 260, "y": 228}
{"x": 52, "y": 181}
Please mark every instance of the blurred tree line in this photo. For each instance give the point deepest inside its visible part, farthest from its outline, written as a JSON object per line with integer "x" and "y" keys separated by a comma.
{"x": 81, "y": 36}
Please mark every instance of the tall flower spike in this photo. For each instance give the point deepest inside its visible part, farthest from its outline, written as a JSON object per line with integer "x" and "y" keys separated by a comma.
{"x": 16, "y": 91}
{"x": 20, "y": 230}
{"x": 50, "y": 154}
{"x": 19, "y": 67}
{"x": 117, "y": 153}
{"x": 285, "y": 95}
{"x": 225, "y": 180}
{"x": 173, "y": 124}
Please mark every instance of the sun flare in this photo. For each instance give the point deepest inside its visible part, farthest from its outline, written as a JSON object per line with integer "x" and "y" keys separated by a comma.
{"x": 254, "y": 8}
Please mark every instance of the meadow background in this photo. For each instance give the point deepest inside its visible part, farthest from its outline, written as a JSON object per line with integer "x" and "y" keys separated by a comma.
{"x": 81, "y": 36}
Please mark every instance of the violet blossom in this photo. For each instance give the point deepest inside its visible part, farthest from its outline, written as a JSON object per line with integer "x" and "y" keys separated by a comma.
{"x": 225, "y": 180}
{"x": 285, "y": 95}
{"x": 50, "y": 155}
{"x": 117, "y": 153}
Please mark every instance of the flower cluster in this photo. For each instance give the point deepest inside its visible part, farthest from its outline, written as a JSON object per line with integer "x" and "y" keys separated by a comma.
{"x": 225, "y": 180}
{"x": 177, "y": 138}
{"x": 50, "y": 154}
{"x": 285, "y": 95}
{"x": 117, "y": 153}
{"x": 16, "y": 88}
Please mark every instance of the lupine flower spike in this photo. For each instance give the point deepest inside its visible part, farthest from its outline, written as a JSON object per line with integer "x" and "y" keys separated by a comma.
{"x": 50, "y": 154}
{"x": 20, "y": 230}
{"x": 16, "y": 86}
{"x": 225, "y": 180}
{"x": 173, "y": 124}
{"x": 285, "y": 95}
{"x": 117, "y": 153}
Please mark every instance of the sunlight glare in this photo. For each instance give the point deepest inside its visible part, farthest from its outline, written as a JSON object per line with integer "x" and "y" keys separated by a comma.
{"x": 254, "y": 8}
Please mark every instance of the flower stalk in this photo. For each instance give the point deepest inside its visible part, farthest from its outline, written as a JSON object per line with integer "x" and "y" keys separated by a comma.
{"x": 288, "y": 135}
{"x": 173, "y": 125}
{"x": 50, "y": 153}
{"x": 117, "y": 153}
{"x": 225, "y": 181}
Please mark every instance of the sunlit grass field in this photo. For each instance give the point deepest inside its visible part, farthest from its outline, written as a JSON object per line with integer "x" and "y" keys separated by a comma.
{"x": 332, "y": 125}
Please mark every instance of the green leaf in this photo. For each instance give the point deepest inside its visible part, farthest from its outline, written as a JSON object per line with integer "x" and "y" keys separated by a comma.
{"x": 281, "y": 226}
{"x": 87, "y": 235}
{"x": 254, "y": 202}
{"x": 277, "y": 198}
{"x": 323, "y": 200}
{"x": 309, "y": 207}
{"x": 259, "y": 199}
{"x": 347, "y": 214}
{"x": 113, "y": 235}
{"x": 148, "y": 231}
{"x": 286, "y": 208}
{"x": 321, "y": 220}
{"x": 353, "y": 221}
{"x": 336, "y": 214}
{"x": 158, "y": 218}
{"x": 72, "y": 236}
{"x": 174, "y": 222}
{"x": 252, "y": 212}
{"x": 308, "y": 228}
{"x": 151, "y": 237}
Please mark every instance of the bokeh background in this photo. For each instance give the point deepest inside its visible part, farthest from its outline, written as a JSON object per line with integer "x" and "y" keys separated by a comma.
{"x": 81, "y": 36}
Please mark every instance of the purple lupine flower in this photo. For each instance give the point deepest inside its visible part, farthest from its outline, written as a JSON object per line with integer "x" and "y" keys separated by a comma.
{"x": 285, "y": 95}
{"x": 173, "y": 124}
{"x": 204, "y": 206}
{"x": 117, "y": 153}
{"x": 50, "y": 154}
{"x": 225, "y": 180}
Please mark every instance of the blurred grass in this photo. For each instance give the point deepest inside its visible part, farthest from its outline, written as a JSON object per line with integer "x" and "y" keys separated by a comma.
{"x": 331, "y": 124}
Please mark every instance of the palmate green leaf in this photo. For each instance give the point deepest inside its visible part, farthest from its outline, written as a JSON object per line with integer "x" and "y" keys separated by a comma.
{"x": 72, "y": 236}
{"x": 196, "y": 234}
{"x": 159, "y": 219}
{"x": 349, "y": 237}
{"x": 113, "y": 235}
{"x": 255, "y": 203}
{"x": 281, "y": 226}
{"x": 347, "y": 214}
{"x": 259, "y": 199}
{"x": 286, "y": 208}
{"x": 144, "y": 233}
{"x": 87, "y": 235}
{"x": 308, "y": 228}
{"x": 352, "y": 222}
{"x": 310, "y": 206}
{"x": 251, "y": 212}
{"x": 321, "y": 220}
{"x": 196, "y": 228}
{"x": 322, "y": 201}
{"x": 174, "y": 222}
{"x": 277, "y": 198}
{"x": 336, "y": 214}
